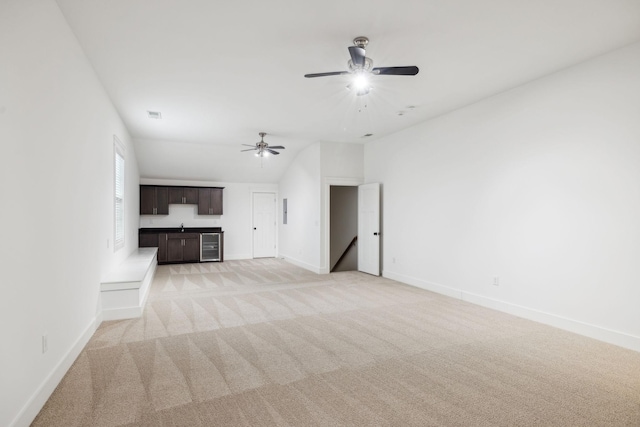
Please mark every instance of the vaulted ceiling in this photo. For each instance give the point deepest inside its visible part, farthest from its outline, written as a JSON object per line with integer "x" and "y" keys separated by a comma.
{"x": 219, "y": 72}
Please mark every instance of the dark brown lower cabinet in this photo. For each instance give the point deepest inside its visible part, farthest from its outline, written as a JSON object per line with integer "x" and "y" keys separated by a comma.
{"x": 177, "y": 247}
{"x": 182, "y": 247}
{"x": 148, "y": 241}
{"x": 191, "y": 249}
{"x": 162, "y": 248}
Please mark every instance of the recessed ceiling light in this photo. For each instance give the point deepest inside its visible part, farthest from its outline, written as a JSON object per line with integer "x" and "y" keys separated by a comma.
{"x": 154, "y": 114}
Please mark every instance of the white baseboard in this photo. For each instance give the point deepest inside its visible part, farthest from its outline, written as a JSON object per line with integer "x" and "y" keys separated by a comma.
{"x": 423, "y": 284}
{"x": 302, "y": 264}
{"x": 35, "y": 403}
{"x": 592, "y": 331}
{"x": 122, "y": 313}
{"x": 237, "y": 257}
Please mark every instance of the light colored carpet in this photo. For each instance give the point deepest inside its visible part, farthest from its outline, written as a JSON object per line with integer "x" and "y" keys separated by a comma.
{"x": 265, "y": 343}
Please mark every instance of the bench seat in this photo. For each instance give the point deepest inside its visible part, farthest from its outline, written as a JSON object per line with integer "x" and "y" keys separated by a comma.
{"x": 125, "y": 288}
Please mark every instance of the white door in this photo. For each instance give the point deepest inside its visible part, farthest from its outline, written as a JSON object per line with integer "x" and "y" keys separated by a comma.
{"x": 264, "y": 225}
{"x": 369, "y": 228}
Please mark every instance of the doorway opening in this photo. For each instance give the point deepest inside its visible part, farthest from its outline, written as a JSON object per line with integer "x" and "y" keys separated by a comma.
{"x": 343, "y": 227}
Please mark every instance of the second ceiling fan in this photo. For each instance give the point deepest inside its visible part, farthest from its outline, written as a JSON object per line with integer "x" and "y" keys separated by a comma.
{"x": 362, "y": 67}
{"x": 262, "y": 148}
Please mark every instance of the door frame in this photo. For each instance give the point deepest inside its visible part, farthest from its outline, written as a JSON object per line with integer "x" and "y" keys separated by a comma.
{"x": 276, "y": 213}
{"x": 325, "y": 216}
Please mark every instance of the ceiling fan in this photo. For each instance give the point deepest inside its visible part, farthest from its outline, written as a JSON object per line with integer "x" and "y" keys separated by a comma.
{"x": 262, "y": 148}
{"x": 362, "y": 68}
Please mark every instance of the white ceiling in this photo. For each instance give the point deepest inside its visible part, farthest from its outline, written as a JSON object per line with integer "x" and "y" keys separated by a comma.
{"x": 222, "y": 71}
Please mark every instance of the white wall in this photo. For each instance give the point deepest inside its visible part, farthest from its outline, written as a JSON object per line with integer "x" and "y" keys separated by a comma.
{"x": 342, "y": 164}
{"x": 538, "y": 186}
{"x": 305, "y": 239}
{"x": 299, "y": 239}
{"x": 342, "y": 160}
{"x": 236, "y": 219}
{"x": 56, "y": 127}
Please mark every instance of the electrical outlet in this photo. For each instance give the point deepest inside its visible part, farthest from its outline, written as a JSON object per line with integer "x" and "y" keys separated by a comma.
{"x": 45, "y": 343}
{"x": 496, "y": 281}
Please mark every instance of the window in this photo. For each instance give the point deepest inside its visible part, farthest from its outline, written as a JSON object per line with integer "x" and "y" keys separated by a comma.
{"x": 118, "y": 150}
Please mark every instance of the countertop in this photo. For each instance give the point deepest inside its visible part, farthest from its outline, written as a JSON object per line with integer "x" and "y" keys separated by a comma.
{"x": 178, "y": 230}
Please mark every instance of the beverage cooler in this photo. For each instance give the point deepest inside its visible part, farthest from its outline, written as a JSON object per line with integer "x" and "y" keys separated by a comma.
{"x": 210, "y": 247}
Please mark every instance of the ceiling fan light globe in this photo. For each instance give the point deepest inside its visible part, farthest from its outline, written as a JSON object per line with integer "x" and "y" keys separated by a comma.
{"x": 360, "y": 84}
{"x": 360, "y": 92}
{"x": 360, "y": 81}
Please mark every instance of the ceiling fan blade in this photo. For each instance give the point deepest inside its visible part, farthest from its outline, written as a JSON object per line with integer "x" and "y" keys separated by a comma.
{"x": 249, "y": 149}
{"x": 276, "y": 147}
{"x": 249, "y": 145}
{"x": 397, "y": 71}
{"x": 331, "y": 73}
{"x": 272, "y": 151}
{"x": 357, "y": 55}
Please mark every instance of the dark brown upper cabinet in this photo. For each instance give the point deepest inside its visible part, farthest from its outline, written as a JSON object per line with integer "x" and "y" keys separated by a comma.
{"x": 183, "y": 196}
{"x": 154, "y": 200}
{"x": 210, "y": 201}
